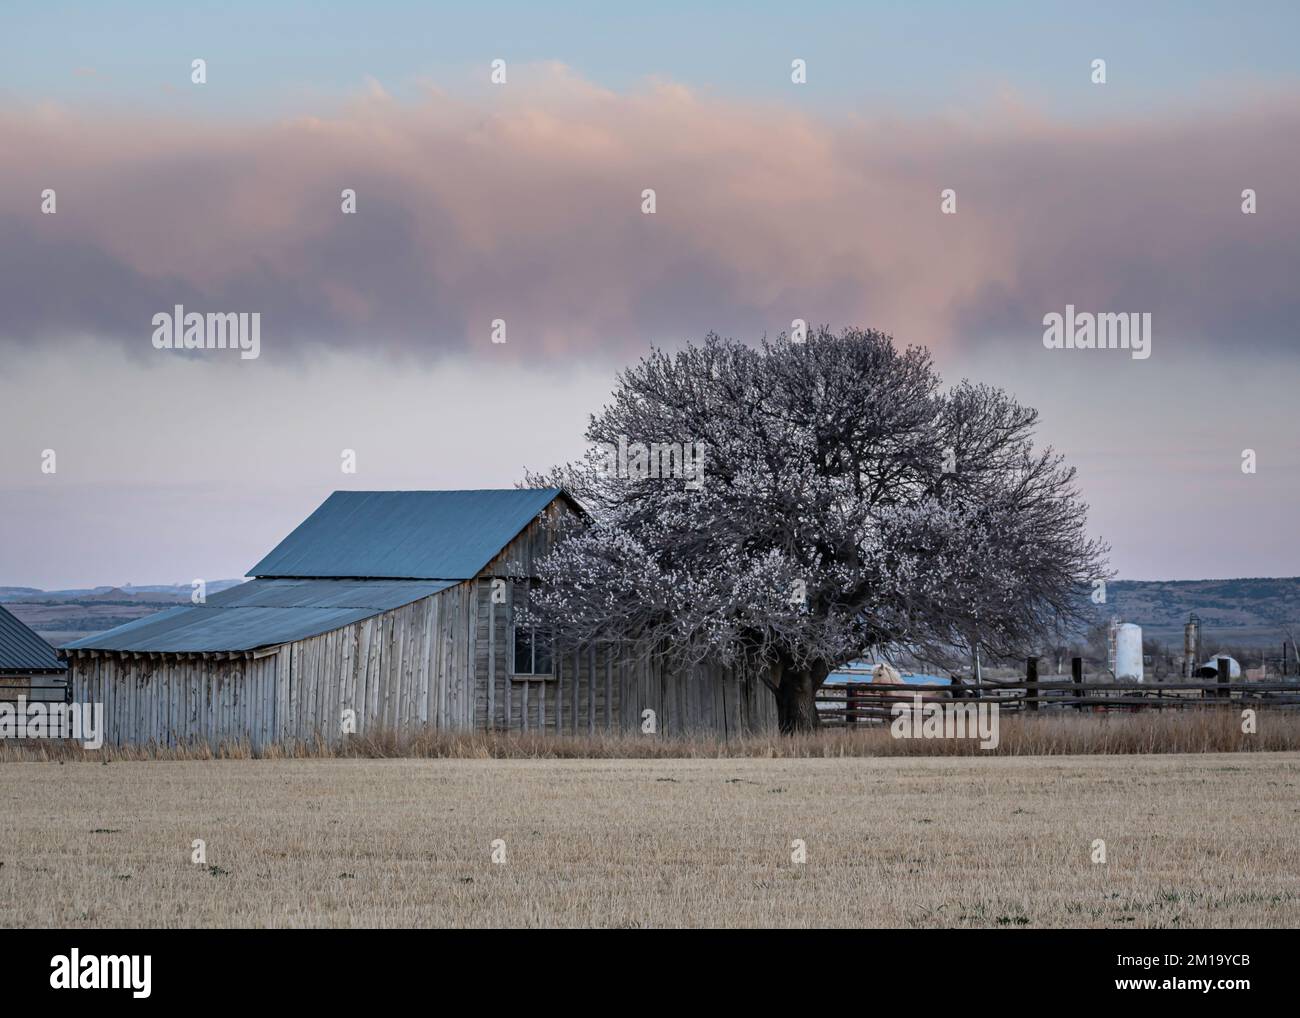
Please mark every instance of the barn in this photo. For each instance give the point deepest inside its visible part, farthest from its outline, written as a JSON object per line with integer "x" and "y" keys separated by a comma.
{"x": 392, "y": 611}
{"x": 29, "y": 667}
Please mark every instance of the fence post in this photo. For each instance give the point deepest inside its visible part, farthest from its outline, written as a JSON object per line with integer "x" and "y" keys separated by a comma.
{"x": 1076, "y": 675}
{"x": 1031, "y": 684}
{"x": 1224, "y": 692}
{"x": 850, "y": 716}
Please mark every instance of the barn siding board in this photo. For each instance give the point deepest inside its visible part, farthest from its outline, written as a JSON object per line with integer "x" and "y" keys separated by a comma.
{"x": 475, "y": 656}
{"x": 356, "y": 676}
{"x": 221, "y": 717}
{"x": 306, "y": 687}
{"x": 426, "y": 614}
{"x": 456, "y": 646}
{"x": 399, "y": 673}
{"x": 579, "y": 719}
{"x": 415, "y": 649}
{"x": 609, "y": 688}
{"x": 445, "y": 625}
{"x": 219, "y": 694}
{"x": 121, "y": 688}
{"x": 410, "y": 650}
{"x": 442, "y": 657}
{"x": 393, "y": 671}
{"x": 130, "y": 715}
{"x": 328, "y": 718}
{"x": 486, "y": 710}
{"x": 270, "y": 669}
{"x": 509, "y": 690}
{"x": 557, "y": 665}
{"x": 470, "y": 687}
{"x": 285, "y": 680}
{"x": 456, "y": 658}
{"x": 311, "y": 686}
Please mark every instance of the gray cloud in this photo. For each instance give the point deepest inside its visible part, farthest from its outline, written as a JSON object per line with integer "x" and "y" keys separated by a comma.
{"x": 527, "y": 208}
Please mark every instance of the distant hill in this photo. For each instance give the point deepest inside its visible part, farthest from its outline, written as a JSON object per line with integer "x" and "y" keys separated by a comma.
{"x": 1248, "y": 612}
{"x": 61, "y": 616}
{"x": 1251, "y": 612}
{"x": 158, "y": 593}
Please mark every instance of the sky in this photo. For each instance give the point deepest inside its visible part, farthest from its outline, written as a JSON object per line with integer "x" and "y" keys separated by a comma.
{"x": 522, "y": 202}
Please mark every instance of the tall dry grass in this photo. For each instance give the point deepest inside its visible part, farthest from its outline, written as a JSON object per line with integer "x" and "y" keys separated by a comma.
{"x": 1199, "y": 731}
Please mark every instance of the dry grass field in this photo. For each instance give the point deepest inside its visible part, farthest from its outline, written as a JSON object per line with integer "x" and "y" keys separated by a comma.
{"x": 1192, "y": 841}
{"x": 1202, "y": 730}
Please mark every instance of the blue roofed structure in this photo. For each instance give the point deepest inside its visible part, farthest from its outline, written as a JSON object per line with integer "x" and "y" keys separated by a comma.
{"x": 393, "y": 612}
{"x": 440, "y": 535}
{"x": 22, "y": 652}
{"x": 260, "y": 613}
{"x": 360, "y": 554}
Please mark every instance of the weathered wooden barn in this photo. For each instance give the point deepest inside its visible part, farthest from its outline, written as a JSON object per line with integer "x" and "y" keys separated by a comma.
{"x": 391, "y": 611}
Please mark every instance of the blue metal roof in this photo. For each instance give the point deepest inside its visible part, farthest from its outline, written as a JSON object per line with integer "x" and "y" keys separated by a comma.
{"x": 380, "y": 595}
{"x": 260, "y": 613}
{"x": 445, "y": 535}
{"x": 22, "y": 651}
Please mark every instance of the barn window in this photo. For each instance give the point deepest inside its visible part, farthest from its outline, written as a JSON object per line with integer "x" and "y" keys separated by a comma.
{"x": 532, "y": 650}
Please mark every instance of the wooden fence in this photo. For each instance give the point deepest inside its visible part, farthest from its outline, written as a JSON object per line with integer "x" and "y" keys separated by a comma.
{"x": 874, "y": 702}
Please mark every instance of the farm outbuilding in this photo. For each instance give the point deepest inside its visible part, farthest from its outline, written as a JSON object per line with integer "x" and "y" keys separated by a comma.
{"x": 29, "y": 667}
{"x": 393, "y": 612}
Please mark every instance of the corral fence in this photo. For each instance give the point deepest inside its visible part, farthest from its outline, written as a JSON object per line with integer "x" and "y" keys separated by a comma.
{"x": 874, "y": 702}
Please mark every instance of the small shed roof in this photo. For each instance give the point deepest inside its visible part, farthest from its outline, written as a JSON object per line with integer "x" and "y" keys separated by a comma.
{"x": 260, "y": 613}
{"x": 445, "y": 535}
{"x": 22, "y": 651}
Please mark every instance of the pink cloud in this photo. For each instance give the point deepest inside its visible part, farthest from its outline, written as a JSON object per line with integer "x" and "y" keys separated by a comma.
{"x": 523, "y": 203}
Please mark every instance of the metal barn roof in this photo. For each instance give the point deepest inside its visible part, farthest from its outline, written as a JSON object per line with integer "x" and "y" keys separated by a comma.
{"x": 22, "y": 651}
{"x": 379, "y": 595}
{"x": 260, "y": 613}
{"x": 445, "y": 535}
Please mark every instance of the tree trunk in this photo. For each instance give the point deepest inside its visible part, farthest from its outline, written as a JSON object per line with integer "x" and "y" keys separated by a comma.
{"x": 796, "y": 697}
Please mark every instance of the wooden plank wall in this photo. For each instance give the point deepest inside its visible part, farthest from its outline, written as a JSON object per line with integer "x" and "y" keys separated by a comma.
{"x": 569, "y": 700}
{"x": 399, "y": 671}
{"x": 599, "y": 689}
{"x": 402, "y": 670}
{"x": 708, "y": 700}
{"x": 375, "y": 668}
{"x": 170, "y": 700}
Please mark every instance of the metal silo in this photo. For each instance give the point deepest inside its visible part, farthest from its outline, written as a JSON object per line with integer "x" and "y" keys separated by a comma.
{"x": 1191, "y": 645}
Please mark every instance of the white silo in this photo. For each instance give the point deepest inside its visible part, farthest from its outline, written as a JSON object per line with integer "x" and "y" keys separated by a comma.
{"x": 1128, "y": 652}
{"x": 1210, "y": 669}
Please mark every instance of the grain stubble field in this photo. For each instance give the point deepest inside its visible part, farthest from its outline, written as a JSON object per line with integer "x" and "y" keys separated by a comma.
{"x": 1192, "y": 841}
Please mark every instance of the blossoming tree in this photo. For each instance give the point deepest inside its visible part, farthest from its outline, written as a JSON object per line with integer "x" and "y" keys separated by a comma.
{"x": 841, "y": 501}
